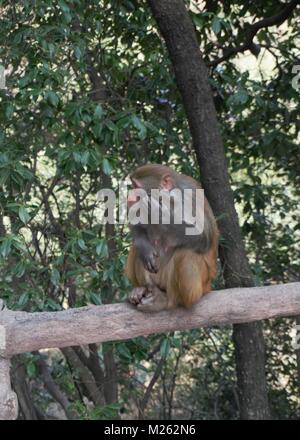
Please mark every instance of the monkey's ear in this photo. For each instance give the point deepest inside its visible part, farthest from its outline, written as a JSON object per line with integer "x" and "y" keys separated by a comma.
{"x": 167, "y": 182}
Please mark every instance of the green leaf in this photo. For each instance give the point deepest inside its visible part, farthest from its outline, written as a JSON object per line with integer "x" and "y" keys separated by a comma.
{"x": 4, "y": 175}
{"x": 19, "y": 269}
{"x": 95, "y": 299}
{"x": 78, "y": 53}
{"x": 101, "y": 249}
{"x": 3, "y": 157}
{"x": 52, "y": 98}
{"x": 23, "y": 300}
{"x": 198, "y": 20}
{"x": 165, "y": 347}
{"x": 108, "y": 274}
{"x": 98, "y": 113}
{"x": 124, "y": 351}
{"x": 55, "y": 277}
{"x": 24, "y": 81}
{"x": 97, "y": 130}
{"x": 63, "y": 5}
{"x": 9, "y": 111}
{"x": 51, "y": 49}
{"x": 31, "y": 369}
{"x": 52, "y": 305}
{"x": 239, "y": 98}
{"x": 77, "y": 156}
{"x": 110, "y": 125}
{"x": 106, "y": 167}
{"x": 216, "y": 25}
{"x": 137, "y": 123}
{"x": 5, "y": 247}
{"x": 24, "y": 172}
{"x": 176, "y": 341}
{"x": 66, "y": 11}
{"x": 17, "y": 243}
{"x": 23, "y": 215}
{"x": 82, "y": 244}
{"x": 85, "y": 157}
{"x": 242, "y": 96}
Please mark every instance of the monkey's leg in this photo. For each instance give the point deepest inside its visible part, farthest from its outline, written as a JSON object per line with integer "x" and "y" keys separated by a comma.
{"x": 188, "y": 279}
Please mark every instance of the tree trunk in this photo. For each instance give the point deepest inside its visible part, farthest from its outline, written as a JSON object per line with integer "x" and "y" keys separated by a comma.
{"x": 8, "y": 399}
{"x": 192, "y": 80}
{"x": 22, "y": 389}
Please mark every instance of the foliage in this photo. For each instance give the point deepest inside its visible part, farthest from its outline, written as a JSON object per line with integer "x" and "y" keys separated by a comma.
{"x": 90, "y": 94}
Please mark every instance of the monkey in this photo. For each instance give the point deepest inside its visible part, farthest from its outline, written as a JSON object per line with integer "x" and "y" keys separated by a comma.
{"x": 167, "y": 267}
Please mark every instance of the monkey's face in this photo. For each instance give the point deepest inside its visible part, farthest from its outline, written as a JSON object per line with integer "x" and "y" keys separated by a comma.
{"x": 135, "y": 194}
{"x": 148, "y": 182}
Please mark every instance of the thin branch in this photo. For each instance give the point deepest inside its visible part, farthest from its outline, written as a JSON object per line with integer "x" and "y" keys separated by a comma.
{"x": 149, "y": 389}
{"x": 252, "y": 30}
{"x": 53, "y": 388}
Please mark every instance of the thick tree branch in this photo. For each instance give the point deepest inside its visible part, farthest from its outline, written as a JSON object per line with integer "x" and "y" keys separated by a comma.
{"x": 22, "y": 331}
{"x": 52, "y": 387}
{"x": 88, "y": 381}
{"x": 252, "y": 30}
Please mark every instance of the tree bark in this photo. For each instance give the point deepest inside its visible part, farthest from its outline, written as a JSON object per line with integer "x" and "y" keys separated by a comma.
{"x": 23, "y": 331}
{"x": 8, "y": 399}
{"x": 22, "y": 390}
{"x": 87, "y": 380}
{"x": 52, "y": 387}
{"x": 191, "y": 76}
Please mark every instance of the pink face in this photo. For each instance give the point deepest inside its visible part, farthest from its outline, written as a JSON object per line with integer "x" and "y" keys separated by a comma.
{"x": 134, "y": 195}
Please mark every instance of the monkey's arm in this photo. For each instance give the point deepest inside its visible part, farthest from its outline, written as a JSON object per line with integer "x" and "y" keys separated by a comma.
{"x": 146, "y": 252}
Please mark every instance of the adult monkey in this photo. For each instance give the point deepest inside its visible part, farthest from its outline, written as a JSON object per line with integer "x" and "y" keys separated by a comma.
{"x": 168, "y": 267}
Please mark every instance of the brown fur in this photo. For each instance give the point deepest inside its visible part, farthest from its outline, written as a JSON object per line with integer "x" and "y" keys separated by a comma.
{"x": 186, "y": 275}
{"x": 185, "y": 278}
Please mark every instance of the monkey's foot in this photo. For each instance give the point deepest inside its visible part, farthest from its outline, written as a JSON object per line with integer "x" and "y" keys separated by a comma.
{"x": 149, "y": 299}
{"x": 137, "y": 294}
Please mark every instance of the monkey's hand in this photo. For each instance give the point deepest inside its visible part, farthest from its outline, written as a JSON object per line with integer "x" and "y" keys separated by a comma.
{"x": 148, "y": 255}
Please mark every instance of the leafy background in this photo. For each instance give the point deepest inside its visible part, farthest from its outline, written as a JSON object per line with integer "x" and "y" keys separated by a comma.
{"x": 90, "y": 95}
